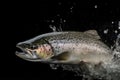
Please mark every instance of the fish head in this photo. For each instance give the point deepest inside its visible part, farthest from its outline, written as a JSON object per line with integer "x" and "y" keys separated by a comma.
{"x": 35, "y": 50}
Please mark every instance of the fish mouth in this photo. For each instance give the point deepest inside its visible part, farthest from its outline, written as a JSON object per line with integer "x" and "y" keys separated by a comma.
{"x": 29, "y": 55}
{"x": 26, "y": 54}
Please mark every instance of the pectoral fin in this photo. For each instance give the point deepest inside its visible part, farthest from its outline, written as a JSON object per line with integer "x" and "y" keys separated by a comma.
{"x": 62, "y": 56}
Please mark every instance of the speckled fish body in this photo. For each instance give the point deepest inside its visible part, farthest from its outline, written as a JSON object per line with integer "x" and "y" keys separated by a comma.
{"x": 65, "y": 47}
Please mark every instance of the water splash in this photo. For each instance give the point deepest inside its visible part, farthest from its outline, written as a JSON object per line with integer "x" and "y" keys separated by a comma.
{"x": 54, "y": 29}
{"x": 54, "y": 66}
{"x": 116, "y": 50}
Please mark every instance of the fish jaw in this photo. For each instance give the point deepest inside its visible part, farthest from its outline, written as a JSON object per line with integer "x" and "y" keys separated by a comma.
{"x": 29, "y": 57}
{"x": 25, "y": 54}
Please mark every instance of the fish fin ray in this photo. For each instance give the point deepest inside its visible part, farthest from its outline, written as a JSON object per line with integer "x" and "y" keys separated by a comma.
{"x": 62, "y": 56}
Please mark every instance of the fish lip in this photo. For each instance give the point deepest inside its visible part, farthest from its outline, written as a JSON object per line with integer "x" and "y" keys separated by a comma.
{"x": 23, "y": 53}
{"x": 26, "y": 54}
{"x": 23, "y": 50}
{"x": 30, "y": 58}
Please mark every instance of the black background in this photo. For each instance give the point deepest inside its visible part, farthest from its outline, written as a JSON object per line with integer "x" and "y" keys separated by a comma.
{"x": 28, "y": 19}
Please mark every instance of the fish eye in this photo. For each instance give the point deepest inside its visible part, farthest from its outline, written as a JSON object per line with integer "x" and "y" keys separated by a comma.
{"x": 33, "y": 47}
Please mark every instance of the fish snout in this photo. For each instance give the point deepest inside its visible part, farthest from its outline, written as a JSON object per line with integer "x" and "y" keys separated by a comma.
{"x": 23, "y": 45}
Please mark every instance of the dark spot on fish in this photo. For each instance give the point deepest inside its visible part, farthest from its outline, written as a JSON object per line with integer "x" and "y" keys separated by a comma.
{"x": 56, "y": 47}
{"x": 63, "y": 38}
{"x": 49, "y": 49}
{"x": 73, "y": 47}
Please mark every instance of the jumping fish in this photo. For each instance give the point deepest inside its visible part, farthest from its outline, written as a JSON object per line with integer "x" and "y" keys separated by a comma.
{"x": 65, "y": 47}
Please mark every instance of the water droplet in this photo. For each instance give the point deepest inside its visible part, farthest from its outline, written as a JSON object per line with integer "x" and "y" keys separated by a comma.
{"x": 71, "y": 9}
{"x": 52, "y": 21}
{"x": 53, "y": 28}
{"x": 64, "y": 20}
{"x": 112, "y": 22}
{"x": 119, "y": 27}
{"x": 53, "y": 66}
{"x": 95, "y": 6}
{"x": 106, "y": 31}
{"x": 116, "y": 31}
{"x": 119, "y": 23}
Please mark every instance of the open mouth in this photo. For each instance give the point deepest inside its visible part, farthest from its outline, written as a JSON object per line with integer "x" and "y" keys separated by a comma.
{"x": 25, "y": 54}
{"x": 29, "y": 55}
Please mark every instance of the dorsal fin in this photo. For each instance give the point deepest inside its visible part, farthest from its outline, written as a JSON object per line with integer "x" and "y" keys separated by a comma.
{"x": 92, "y": 33}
